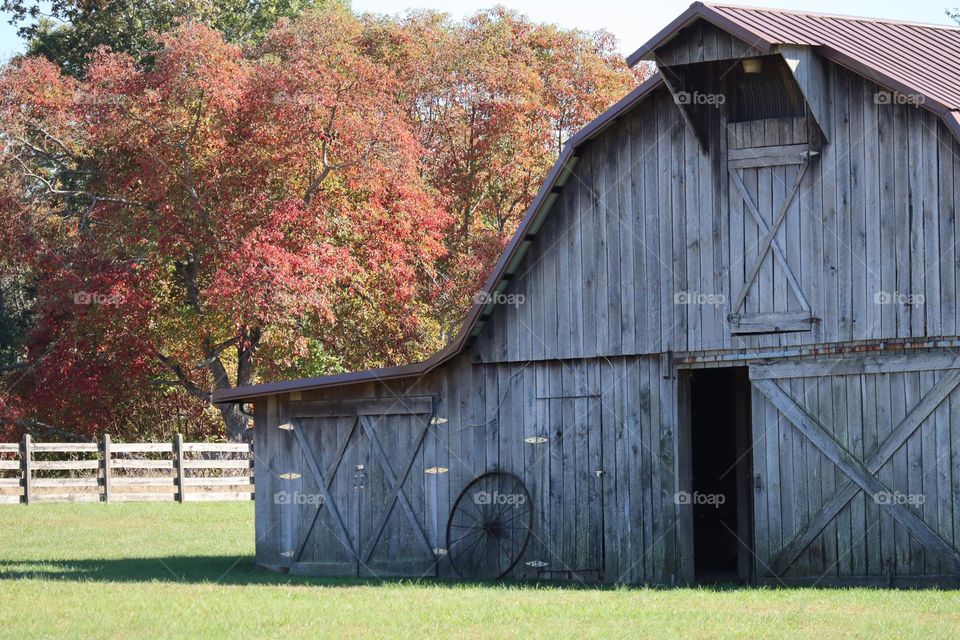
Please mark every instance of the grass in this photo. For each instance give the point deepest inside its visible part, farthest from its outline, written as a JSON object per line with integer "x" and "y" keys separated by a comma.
{"x": 170, "y": 570}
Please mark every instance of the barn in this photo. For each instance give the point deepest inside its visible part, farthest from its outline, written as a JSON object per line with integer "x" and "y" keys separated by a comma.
{"x": 724, "y": 343}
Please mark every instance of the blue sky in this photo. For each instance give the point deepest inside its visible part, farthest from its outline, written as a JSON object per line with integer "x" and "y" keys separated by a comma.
{"x": 632, "y": 21}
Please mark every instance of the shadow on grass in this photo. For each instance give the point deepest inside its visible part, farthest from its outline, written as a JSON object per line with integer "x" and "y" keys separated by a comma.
{"x": 239, "y": 570}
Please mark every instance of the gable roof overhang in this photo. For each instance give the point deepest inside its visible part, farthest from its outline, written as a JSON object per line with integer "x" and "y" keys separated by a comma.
{"x": 903, "y": 57}
{"x": 509, "y": 261}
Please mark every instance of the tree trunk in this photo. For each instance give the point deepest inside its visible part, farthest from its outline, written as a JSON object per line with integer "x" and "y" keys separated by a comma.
{"x": 235, "y": 422}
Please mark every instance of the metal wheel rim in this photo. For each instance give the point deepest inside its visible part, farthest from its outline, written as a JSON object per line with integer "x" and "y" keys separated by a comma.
{"x": 493, "y": 526}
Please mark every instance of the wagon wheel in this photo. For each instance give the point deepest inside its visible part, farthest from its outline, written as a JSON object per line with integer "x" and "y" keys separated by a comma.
{"x": 489, "y": 526}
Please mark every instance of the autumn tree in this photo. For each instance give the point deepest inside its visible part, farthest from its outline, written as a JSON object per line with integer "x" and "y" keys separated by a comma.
{"x": 68, "y": 32}
{"x": 493, "y": 99}
{"x": 326, "y": 197}
{"x": 213, "y": 212}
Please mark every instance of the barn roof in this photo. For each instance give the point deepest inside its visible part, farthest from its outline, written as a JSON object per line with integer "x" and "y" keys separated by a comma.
{"x": 906, "y": 57}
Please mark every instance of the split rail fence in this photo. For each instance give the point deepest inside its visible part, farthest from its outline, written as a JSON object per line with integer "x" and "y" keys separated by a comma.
{"x": 108, "y": 471}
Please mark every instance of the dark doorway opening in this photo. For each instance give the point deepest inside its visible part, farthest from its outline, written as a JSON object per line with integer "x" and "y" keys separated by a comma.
{"x": 721, "y": 498}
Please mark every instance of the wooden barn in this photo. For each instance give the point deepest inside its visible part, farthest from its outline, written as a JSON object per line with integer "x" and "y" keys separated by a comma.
{"x": 724, "y": 343}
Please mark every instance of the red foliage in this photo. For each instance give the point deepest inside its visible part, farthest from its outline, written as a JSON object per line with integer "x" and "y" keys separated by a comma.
{"x": 328, "y": 199}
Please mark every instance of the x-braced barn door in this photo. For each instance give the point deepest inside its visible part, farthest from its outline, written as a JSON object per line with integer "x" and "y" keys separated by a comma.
{"x": 767, "y": 161}
{"x": 362, "y": 504}
{"x": 854, "y": 477}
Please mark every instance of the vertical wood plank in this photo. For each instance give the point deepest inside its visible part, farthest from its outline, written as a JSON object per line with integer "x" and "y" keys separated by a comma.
{"x": 106, "y": 468}
{"x": 26, "y": 468}
{"x": 179, "y": 472}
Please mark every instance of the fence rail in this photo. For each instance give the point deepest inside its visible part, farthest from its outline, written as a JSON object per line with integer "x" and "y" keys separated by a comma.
{"x": 108, "y": 471}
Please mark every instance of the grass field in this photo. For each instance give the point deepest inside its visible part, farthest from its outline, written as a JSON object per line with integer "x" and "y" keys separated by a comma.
{"x": 171, "y": 570}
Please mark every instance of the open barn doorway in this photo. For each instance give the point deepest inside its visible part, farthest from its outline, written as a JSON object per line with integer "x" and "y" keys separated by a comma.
{"x": 720, "y": 461}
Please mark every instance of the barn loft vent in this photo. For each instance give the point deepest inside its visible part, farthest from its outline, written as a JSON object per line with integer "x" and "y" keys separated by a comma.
{"x": 763, "y": 89}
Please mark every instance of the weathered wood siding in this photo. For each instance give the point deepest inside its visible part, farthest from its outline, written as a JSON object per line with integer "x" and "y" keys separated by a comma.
{"x": 703, "y": 42}
{"x": 648, "y": 217}
{"x": 616, "y": 417}
{"x": 644, "y": 251}
{"x": 888, "y": 505}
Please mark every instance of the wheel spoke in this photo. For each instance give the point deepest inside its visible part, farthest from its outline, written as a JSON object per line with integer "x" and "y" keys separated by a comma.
{"x": 514, "y": 517}
{"x": 463, "y": 553}
{"x": 468, "y": 514}
{"x": 486, "y": 537}
{"x": 464, "y": 537}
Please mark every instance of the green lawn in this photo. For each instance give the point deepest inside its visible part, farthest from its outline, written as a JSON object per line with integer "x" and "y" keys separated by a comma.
{"x": 170, "y": 570}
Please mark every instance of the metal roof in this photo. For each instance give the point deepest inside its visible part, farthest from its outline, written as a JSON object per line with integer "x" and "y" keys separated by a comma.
{"x": 906, "y": 57}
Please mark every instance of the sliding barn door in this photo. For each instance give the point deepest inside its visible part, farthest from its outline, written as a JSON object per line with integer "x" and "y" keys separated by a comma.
{"x": 857, "y": 469}
{"x": 767, "y": 162}
{"x": 355, "y": 491}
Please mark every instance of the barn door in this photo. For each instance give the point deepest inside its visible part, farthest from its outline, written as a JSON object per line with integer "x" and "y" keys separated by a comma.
{"x": 569, "y": 538}
{"x": 854, "y": 478}
{"x": 393, "y": 538}
{"x": 360, "y": 505}
{"x": 323, "y": 494}
{"x": 767, "y": 160}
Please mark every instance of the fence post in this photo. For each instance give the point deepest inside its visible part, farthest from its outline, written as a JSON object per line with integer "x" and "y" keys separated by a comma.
{"x": 26, "y": 468}
{"x": 105, "y": 467}
{"x": 178, "y": 457}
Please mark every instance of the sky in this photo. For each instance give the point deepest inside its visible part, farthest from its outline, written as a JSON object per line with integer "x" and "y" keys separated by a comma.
{"x": 632, "y": 21}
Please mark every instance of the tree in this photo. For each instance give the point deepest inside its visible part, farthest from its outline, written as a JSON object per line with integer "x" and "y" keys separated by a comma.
{"x": 493, "y": 99}
{"x": 198, "y": 217}
{"x": 68, "y": 32}
{"x": 326, "y": 197}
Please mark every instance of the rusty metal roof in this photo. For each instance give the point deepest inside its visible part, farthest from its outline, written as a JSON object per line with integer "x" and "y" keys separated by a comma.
{"x": 903, "y": 56}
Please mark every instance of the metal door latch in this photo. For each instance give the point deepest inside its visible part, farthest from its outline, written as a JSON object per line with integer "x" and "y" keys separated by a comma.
{"x": 359, "y": 477}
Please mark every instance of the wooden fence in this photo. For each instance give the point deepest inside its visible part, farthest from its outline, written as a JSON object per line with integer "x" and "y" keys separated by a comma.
{"x": 108, "y": 471}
